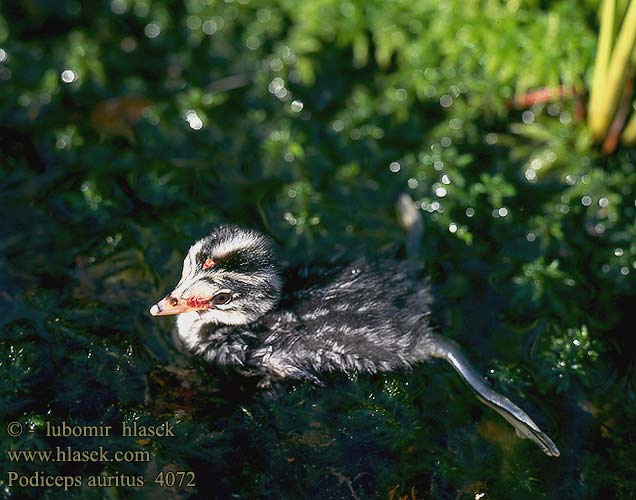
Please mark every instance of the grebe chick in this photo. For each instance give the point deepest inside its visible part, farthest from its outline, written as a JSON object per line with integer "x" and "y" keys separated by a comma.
{"x": 236, "y": 307}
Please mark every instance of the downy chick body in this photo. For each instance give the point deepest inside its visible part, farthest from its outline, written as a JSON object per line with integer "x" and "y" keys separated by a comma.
{"x": 236, "y": 307}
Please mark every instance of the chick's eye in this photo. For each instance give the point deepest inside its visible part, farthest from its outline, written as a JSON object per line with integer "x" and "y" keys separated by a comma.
{"x": 222, "y": 298}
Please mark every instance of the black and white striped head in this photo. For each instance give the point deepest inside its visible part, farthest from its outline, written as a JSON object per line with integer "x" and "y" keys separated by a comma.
{"x": 229, "y": 277}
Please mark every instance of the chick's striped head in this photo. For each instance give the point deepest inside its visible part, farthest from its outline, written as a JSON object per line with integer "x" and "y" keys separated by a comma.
{"x": 229, "y": 277}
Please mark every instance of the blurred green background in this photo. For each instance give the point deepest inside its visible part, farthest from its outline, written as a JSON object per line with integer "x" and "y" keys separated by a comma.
{"x": 128, "y": 128}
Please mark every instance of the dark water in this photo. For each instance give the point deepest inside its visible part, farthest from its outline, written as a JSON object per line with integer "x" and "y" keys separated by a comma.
{"x": 128, "y": 131}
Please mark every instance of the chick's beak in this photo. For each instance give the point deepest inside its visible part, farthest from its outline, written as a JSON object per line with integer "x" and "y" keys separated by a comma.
{"x": 168, "y": 305}
{"x": 171, "y": 305}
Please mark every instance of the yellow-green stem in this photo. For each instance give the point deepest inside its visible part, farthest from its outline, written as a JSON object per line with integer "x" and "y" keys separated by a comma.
{"x": 603, "y": 51}
{"x": 607, "y": 90}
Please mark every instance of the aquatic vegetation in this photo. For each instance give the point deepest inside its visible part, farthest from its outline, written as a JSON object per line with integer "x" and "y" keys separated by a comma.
{"x": 129, "y": 128}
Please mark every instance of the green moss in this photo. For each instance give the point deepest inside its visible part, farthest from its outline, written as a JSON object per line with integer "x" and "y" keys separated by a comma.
{"x": 308, "y": 120}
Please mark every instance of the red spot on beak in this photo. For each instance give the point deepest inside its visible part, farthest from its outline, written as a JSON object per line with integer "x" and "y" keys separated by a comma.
{"x": 209, "y": 263}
